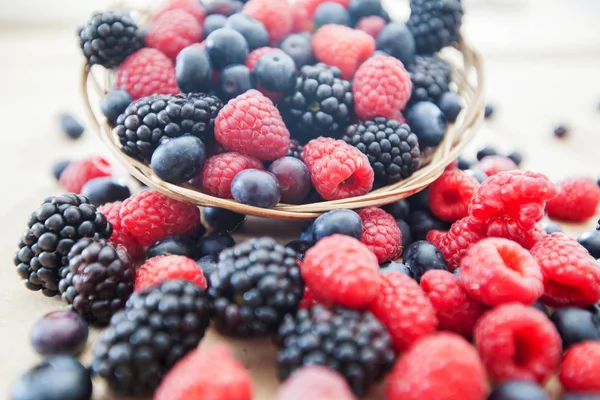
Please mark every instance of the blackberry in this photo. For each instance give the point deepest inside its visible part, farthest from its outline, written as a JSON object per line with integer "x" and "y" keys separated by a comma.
{"x": 435, "y": 24}
{"x": 295, "y": 149}
{"x": 430, "y": 77}
{"x": 392, "y": 149}
{"x": 108, "y": 38}
{"x": 151, "y": 120}
{"x": 351, "y": 342}
{"x": 157, "y": 328}
{"x": 99, "y": 279}
{"x": 255, "y": 285}
{"x": 321, "y": 104}
{"x": 52, "y": 230}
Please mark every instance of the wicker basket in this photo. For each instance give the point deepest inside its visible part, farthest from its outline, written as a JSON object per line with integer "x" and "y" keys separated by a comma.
{"x": 467, "y": 76}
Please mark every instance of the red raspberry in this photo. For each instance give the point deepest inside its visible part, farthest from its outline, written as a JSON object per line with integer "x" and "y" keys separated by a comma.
{"x": 373, "y": 25}
{"x": 455, "y": 310}
{"x": 492, "y": 165}
{"x": 120, "y": 236}
{"x": 173, "y": 31}
{"x": 455, "y": 243}
{"x": 518, "y": 342}
{"x": 442, "y": 366}
{"x": 451, "y": 194}
{"x": 315, "y": 382}
{"x": 571, "y": 275}
{"x": 150, "y": 216}
{"x": 159, "y": 269}
{"x": 301, "y": 22}
{"x": 508, "y": 228}
{"x": 381, "y": 234}
{"x": 404, "y": 309}
{"x": 497, "y": 271}
{"x": 343, "y": 47}
{"x": 578, "y": 200}
{"x": 192, "y": 7}
{"x": 318, "y": 147}
{"x": 341, "y": 270}
{"x": 78, "y": 173}
{"x": 146, "y": 72}
{"x": 308, "y": 300}
{"x": 580, "y": 368}
{"x": 250, "y": 124}
{"x": 257, "y": 54}
{"x": 207, "y": 373}
{"x": 218, "y": 172}
{"x": 276, "y": 16}
{"x": 381, "y": 88}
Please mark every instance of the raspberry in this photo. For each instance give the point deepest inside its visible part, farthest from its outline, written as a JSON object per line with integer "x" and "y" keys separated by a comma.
{"x": 404, "y": 309}
{"x": 301, "y": 22}
{"x": 381, "y": 234}
{"x": 159, "y": 269}
{"x": 149, "y": 216}
{"x": 492, "y": 165}
{"x": 373, "y": 25}
{"x": 78, "y": 173}
{"x": 455, "y": 310}
{"x": 218, "y": 172}
{"x": 276, "y": 16}
{"x": 518, "y": 342}
{"x": 381, "y": 88}
{"x": 250, "y": 124}
{"x": 192, "y": 7}
{"x": 342, "y": 47}
{"x": 341, "y": 270}
{"x": 571, "y": 275}
{"x": 315, "y": 382}
{"x": 308, "y": 300}
{"x": 317, "y": 148}
{"x": 455, "y": 243}
{"x": 207, "y": 373}
{"x": 442, "y": 366}
{"x": 507, "y": 228}
{"x": 256, "y": 54}
{"x": 120, "y": 236}
{"x": 578, "y": 200}
{"x": 451, "y": 194}
{"x": 172, "y": 31}
{"x": 580, "y": 368}
{"x": 147, "y": 72}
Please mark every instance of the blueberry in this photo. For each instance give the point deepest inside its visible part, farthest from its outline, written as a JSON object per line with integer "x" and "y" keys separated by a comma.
{"x": 421, "y": 222}
{"x": 518, "y": 390}
{"x": 298, "y": 47}
{"x": 176, "y": 245}
{"x": 405, "y": 230}
{"x": 300, "y": 247}
{"x": 451, "y": 104}
{"x": 331, "y": 13}
{"x": 591, "y": 242}
{"x": 576, "y": 325}
{"x": 276, "y": 72}
{"x": 256, "y": 188}
{"x": 213, "y": 243}
{"x": 59, "y": 167}
{"x": 212, "y": 23}
{"x": 226, "y": 47}
{"x": 488, "y": 111}
{"x": 233, "y": 81}
{"x": 178, "y": 160}
{"x": 551, "y": 227}
{"x": 398, "y": 209}
{"x": 422, "y": 256}
{"x": 395, "y": 266}
{"x": 307, "y": 232}
{"x": 540, "y": 306}
{"x": 70, "y": 126}
{"x": 114, "y": 104}
{"x": 485, "y": 151}
{"x": 345, "y": 222}
{"x": 477, "y": 174}
{"x": 463, "y": 164}
{"x": 55, "y": 378}
{"x": 105, "y": 190}
{"x": 428, "y": 122}
{"x": 251, "y": 29}
{"x": 208, "y": 264}
{"x": 193, "y": 70}
{"x": 516, "y": 157}
{"x": 364, "y": 8}
{"x": 59, "y": 332}
{"x": 222, "y": 7}
{"x": 293, "y": 177}
{"x": 222, "y": 219}
{"x": 419, "y": 200}
{"x": 397, "y": 41}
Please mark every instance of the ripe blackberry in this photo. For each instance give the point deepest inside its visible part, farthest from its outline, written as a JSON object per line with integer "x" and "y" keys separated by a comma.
{"x": 320, "y": 105}
{"x": 157, "y": 328}
{"x": 256, "y": 283}
{"x": 295, "y": 149}
{"x": 52, "y": 230}
{"x": 108, "y": 38}
{"x": 98, "y": 281}
{"x": 430, "y": 77}
{"x": 392, "y": 149}
{"x": 147, "y": 122}
{"x": 351, "y": 342}
{"x": 434, "y": 24}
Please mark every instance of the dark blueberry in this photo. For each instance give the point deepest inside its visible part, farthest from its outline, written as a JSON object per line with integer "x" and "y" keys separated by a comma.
{"x": 488, "y": 111}
{"x": 405, "y": 230}
{"x": 396, "y": 266}
{"x": 463, "y": 164}
{"x": 516, "y": 157}
{"x": 104, "y": 190}
{"x": 212, "y": 23}
{"x": 176, "y": 245}
{"x": 70, "y": 126}
{"x": 551, "y": 227}
{"x": 576, "y": 325}
{"x": 580, "y": 396}
{"x": 591, "y": 241}
{"x": 55, "y": 378}
{"x": 477, "y": 174}
{"x": 428, "y": 122}
{"x": 540, "y": 306}
{"x": 226, "y": 47}
{"x": 233, "y": 81}
{"x": 518, "y": 390}
{"x": 178, "y": 160}
{"x": 256, "y": 188}
{"x": 486, "y": 151}
{"x": 222, "y": 219}
{"x": 307, "y": 232}
{"x": 419, "y": 201}
{"x": 276, "y": 72}
{"x": 421, "y": 222}
{"x": 208, "y": 264}
{"x": 331, "y": 13}
{"x": 398, "y": 209}
{"x": 213, "y": 243}
{"x": 397, "y": 41}
{"x": 365, "y": 8}
{"x": 251, "y": 29}
{"x": 59, "y": 332}
{"x": 560, "y": 131}
{"x": 451, "y": 105}
{"x": 298, "y": 47}
{"x": 59, "y": 167}
{"x": 222, "y": 7}
{"x": 423, "y": 256}
{"x": 300, "y": 247}
{"x": 193, "y": 70}
{"x": 345, "y": 222}
{"x": 114, "y": 104}
{"x": 293, "y": 177}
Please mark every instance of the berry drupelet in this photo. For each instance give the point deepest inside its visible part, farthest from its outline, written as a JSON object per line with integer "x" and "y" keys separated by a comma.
{"x": 434, "y": 23}
{"x": 430, "y": 77}
{"x": 295, "y": 149}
